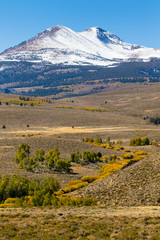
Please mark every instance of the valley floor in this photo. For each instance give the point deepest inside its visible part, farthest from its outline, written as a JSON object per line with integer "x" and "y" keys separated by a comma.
{"x": 94, "y": 211}
{"x": 63, "y": 128}
{"x": 87, "y": 223}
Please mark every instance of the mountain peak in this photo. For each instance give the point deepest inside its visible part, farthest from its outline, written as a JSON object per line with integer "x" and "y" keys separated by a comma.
{"x": 56, "y": 28}
{"x": 98, "y": 30}
{"x": 105, "y": 36}
{"x": 52, "y": 30}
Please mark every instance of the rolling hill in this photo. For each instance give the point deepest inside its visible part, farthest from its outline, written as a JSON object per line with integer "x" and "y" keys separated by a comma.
{"x": 136, "y": 185}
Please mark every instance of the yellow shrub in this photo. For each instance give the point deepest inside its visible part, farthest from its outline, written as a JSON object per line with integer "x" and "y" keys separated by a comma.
{"x": 127, "y": 156}
{"x": 67, "y": 107}
{"x": 96, "y": 109}
{"x": 102, "y": 145}
{"x": 75, "y": 201}
{"x": 109, "y": 147}
{"x": 18, "y": 202}
{"x": 113, "y": 157}
{"x": 96, "y": 144}
{"x": 113, "y": 167}
{"x": 88, "y": 179}
{"x": 138, "y": 158}
{"x": 105, "y": 158}
{"x": 11, "y": 200}
{"x": 7, "y": 205}
{"x": 58, "y": 193}
{"x": 74, "y": 187}
{"x": 28, "y": 201}
{"x": 110, "y": 168}
{"x": 139, "y": 153}
{"x": 118, "y": 148}
{"x": 74, "y": 182}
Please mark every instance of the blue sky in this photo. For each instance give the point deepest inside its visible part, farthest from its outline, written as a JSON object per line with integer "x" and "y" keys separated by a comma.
{"x": 134, "y": 21}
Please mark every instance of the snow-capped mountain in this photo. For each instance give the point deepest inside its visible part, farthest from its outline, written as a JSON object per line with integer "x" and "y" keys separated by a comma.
{"x": 94, "y": 46}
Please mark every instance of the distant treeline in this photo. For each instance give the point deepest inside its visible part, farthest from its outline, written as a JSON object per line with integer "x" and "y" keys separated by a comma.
{"x": 25, "y": 74}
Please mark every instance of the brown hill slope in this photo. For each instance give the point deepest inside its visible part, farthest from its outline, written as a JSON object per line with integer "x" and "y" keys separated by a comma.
{"x": 138, "y": 184}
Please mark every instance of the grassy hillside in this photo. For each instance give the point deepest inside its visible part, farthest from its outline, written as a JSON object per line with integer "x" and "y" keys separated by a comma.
{"x": 135, "y": 185}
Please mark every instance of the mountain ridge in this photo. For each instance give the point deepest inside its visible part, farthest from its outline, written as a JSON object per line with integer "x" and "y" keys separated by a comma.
{"x": 94, "y": 46}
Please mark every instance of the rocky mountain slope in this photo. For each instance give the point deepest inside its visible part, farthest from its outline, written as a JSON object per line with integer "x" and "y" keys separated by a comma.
{"x": 135, "y": 185}
{"x": 94, "y": 46}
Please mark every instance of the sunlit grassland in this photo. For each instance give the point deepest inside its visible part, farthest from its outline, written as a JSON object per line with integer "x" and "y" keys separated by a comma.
{"x": 51, "y": 226}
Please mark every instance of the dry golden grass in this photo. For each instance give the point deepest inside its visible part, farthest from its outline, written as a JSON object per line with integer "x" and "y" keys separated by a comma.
{"x": 80, "y": 223}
